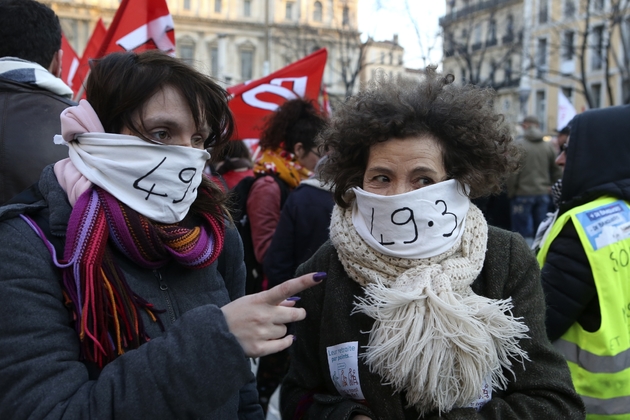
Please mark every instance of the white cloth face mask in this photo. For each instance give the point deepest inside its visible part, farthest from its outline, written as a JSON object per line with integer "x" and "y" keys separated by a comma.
{"x": 158, "y": 181}
{"x": 419, "y": 224}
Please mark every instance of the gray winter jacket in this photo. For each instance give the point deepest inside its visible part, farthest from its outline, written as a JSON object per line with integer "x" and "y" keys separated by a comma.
{"x": 196, "y": 369}
{"x": 29, "y": 118}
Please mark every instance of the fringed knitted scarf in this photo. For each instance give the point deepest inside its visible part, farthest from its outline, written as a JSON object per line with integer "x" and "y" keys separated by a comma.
{"x": 284, "y": 164}
{"x": 432, "y": 338}
{"x": 106, "y": 311}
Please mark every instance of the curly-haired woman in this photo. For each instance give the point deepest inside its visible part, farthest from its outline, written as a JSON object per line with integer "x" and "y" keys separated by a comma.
{"x": 427, "y": 311}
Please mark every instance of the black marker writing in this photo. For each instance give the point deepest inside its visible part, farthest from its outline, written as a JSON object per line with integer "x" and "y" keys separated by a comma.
{"x": 182, "y": 173}
{"x": 410, "y": 219}
{"x": 445, "y": 212}
{"x": 149, "y": 191}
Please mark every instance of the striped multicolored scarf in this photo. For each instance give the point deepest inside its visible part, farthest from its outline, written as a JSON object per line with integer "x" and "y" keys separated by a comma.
{"x": 284, "y": 164}
{"x": 106, "y": 311}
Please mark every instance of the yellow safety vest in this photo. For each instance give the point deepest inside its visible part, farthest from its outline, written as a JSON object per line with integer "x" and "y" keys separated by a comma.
{"x": 600, "y": 361}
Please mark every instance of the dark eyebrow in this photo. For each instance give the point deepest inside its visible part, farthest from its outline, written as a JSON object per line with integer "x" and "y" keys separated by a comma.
{"x": 381, "y": 169}
{"x": 424, "y": 169}
{"x": 388, "y": 171}
{"x": 174, "y": 124}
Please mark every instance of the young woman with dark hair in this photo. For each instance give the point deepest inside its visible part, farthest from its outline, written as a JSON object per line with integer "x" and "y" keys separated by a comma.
{"x": 121, "y": 275}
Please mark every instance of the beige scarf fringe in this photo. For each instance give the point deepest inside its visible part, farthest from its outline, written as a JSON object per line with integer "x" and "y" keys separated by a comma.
{"x": 432, "y": 337}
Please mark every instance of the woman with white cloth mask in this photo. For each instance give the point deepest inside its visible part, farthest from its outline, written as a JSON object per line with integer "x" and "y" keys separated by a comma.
{"x": 427, "y": 311}
{"x": 121, "y": 277}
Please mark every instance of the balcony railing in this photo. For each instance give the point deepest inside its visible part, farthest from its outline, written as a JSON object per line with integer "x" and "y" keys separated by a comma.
{"x": 483, "y": 5}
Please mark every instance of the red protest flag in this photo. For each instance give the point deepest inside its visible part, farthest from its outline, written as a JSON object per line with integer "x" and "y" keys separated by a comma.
{"x": 91, "y": 50}
{"x": 140, "y": 25}
{"x": 69, "y": 61}
{"x": 252, "y": 101}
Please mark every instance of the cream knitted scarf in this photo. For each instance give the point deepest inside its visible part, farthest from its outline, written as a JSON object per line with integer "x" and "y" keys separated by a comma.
{"x": 432, "y": 338}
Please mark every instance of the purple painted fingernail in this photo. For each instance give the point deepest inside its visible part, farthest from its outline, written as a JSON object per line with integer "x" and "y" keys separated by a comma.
{"x": 319, "y": 276}
{"x": 294, "y": 298}
{"x": 294, "y": 337}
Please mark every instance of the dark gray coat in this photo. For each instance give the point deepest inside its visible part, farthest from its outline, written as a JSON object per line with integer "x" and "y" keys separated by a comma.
{"x": 194, "y": 370}
{"x": 542, "y": 388}
{"x": 29, "y": 119}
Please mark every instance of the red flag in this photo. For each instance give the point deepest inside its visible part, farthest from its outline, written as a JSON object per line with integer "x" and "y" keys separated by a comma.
{"x": 69, "y": 61}
{"x": 91, "y": 50}
{"x": 252, "y": 101}
{"x": 140, "y": 25}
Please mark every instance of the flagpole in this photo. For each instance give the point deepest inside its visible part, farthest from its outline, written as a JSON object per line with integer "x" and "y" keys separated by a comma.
{"x": 81, "y": 91}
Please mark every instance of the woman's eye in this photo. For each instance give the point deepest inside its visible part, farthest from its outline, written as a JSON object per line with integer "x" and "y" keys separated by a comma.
{"x": 426, "y": 181}
{"x": 198, "y": 141}
{"x": 381, "y": 178}
{"x": 160, "y": 135}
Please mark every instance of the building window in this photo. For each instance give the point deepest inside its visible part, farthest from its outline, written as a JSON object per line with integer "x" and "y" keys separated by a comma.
{"x": 345, "y": 16}
{"x": 541, "y": 109}
{"x": 568, "y": 92}
{"x": 543, "y": 14}
{"x": 186, "y": 51}
{"x": 492, "y": 32}
{"x": 317, "y": 11}
{"x": 288, "y": 10}
{"x": 217, "y": 6}
{"x": 598, "y": 5}
{"x": 186, "y": 4}
{"x": 247, "y": 8}
{"x": 382, "y": 58}
{"x": 596, "y": 92}
{"x": 569, "y": 8}
{"x": 463, "y": 73}
{"x": 391, "y": 58}
{"x": 214, "y": 61}
{"x": 476, "y": 37}
{"x": 541, "y": 57}
{"x": 507, "y": 71}
{"x": 247, "y": 65}
{"x": 597, "y": 55}
{"x": 568, "y": 49}
{"x": 400, "y": 60}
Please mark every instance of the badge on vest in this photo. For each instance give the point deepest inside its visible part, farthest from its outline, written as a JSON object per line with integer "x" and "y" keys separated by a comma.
{"x": 606, "y": 224}
{"x": 343, "y": 363}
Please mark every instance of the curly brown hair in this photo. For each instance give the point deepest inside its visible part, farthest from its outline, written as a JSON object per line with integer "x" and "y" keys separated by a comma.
{"x": 295, "y": 121}
{"x": 476, "y": 144}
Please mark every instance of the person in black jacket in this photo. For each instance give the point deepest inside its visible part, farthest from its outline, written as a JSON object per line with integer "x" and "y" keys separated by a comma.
{"x": 302, "y": 229}
{"x": 32, "y": 95}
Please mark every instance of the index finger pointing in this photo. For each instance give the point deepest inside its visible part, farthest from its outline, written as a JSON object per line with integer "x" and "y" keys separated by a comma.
{"x": 291, "y": 287}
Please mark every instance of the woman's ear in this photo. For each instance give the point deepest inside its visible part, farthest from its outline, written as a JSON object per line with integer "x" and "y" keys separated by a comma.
{"x": 298, "y": 149}
{"x": 55, "y": 64}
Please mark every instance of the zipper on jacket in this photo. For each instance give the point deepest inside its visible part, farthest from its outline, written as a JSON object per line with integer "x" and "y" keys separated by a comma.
{"x": 167, "y": 296}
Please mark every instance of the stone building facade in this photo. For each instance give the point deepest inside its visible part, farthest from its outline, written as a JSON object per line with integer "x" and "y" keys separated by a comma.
{"x": 239, "y": 40}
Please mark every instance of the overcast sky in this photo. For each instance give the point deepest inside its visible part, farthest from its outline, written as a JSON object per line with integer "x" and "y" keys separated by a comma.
{"x": 381, "y": 19}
